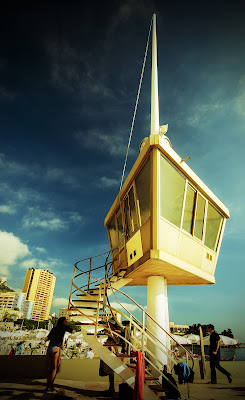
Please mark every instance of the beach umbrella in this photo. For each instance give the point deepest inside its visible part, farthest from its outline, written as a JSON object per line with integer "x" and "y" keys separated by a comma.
{"x": 227, "y": 341}
{"x": 23, "y": 333}
{"x": 180, "y": 339}
{"x": 224, "y": 341}
{"x": 39, "y": 333}
{"x": 76, "y": 335}
{"x": 5, "y": 334}
{"x": 206, "y": 341}
{"x": 193, "y": 338}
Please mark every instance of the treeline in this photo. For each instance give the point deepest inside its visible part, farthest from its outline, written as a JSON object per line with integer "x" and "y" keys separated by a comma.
{"x": 195, "y": 330}
{"x": 4, "y": 288}
{"x": 32, "y": 324}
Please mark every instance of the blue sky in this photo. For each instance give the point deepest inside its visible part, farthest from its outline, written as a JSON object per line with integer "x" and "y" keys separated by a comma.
{"x": 69, "y": 76}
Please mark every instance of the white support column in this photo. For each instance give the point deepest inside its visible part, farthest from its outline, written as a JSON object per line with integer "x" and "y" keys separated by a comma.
{"x": 154, "y": 83}
{"x": 157, "y": 307}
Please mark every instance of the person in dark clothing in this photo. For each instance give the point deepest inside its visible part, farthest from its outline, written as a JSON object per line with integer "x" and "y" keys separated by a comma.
{"x": 214, "y": 352}
{"x": 55, "y": 338}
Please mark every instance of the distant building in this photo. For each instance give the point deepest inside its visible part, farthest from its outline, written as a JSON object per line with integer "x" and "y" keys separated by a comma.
{"x": 39, "y": 288}
{"x": 3, "y": 279}
{"x": 64, "y": 313}
{"x": 6, "y": 326}
{"x": 16, "y": 303}
{"x": 178, "y": 329}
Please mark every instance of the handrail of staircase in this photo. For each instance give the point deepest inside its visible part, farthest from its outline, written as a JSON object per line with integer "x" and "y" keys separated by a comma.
{"x": 149, "y": 316}
{"x": 143, "y": 311}
{"x": 129, "y": 343}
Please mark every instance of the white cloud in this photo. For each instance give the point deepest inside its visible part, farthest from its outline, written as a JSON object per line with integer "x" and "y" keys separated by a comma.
{"x": 115, "y": 144}
{"x": 59, "y": 302}
{"x": 105, "y": 182}
{"x": 7, "y": 209}
{"x": 53, "y": 224}
{"x": 49, "y": 263}
{"x": 41, "y": 249}
{"x": 239, "y": 102}
{"x": 201, "y": 114}
{"x": 11, "y": 250}
{"x": 130, "y": 307}
{"x": 47, "y": 220}
{"x": 60, "y": 175}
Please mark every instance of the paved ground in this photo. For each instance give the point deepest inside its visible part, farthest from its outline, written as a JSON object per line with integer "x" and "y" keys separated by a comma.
{"x": 34, "y": 389}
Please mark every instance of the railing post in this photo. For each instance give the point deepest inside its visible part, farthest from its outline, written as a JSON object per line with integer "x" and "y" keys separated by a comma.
{"x": 97, "y": 313}
{"x": 69, "y": 301}
{"x": 143, "y": 333}
{"x": 90, "y": 265}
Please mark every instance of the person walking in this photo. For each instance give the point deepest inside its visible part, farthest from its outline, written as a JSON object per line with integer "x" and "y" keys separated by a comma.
{"x": 55, "y": 338}
{"x": 214, "y": 352}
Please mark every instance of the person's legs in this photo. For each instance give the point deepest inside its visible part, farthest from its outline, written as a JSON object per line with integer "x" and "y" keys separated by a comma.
{"x": 212, "y": 368}
{"x": 223, "y": 370}
{"x": 111, "y": 380}
{"x": 53, "y": 363}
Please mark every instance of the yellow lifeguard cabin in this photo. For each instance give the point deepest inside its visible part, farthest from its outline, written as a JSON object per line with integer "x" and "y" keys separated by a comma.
{"x": 165, "y": 221}
{"x": 165, "y": 226}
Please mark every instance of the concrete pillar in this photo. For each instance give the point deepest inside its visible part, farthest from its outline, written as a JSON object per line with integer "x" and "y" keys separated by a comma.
{"x": 157, "y": 307}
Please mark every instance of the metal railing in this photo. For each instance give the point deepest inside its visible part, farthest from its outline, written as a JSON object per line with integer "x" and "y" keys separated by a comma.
{"x": 136, "y": 328}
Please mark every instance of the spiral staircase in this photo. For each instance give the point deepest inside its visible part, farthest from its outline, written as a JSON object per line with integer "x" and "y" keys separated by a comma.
{"x": 89, "y": 305}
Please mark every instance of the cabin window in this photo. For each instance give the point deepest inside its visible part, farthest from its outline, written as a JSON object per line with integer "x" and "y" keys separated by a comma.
{"x": 172, "y": 192}
{"x": 119, "y": 226}
{"x": 189, "y": 209}
{"x": 213, "y": 227}
{"x": 112, "y": 234}
{"x": 120, "y": 230}
{"x": 199, "y": 217}
{"x": 131, "y": 221}
{"x": 142, "y": 184}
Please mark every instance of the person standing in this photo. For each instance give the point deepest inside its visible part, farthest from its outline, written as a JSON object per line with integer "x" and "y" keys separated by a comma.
{"x": 55, "y": 338}
{"x": 19, "y": 348}
{"x": 214, "y": 352}
{"x": 12, "y": 351}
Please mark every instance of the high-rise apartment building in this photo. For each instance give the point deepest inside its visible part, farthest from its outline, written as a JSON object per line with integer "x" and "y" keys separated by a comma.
{"x": 39, "y": 287}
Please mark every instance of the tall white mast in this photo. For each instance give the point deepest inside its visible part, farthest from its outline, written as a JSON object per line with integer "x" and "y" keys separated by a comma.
{"x": 154, "y": 83}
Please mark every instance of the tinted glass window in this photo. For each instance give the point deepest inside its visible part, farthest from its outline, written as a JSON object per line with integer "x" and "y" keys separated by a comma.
{"x": 142, "y": 183}
{"x": 112, "y": 232}
{"x": 199, "y": 220}
{"x": 172, "y": 192}
{"x": 189, "y": 209}
{"x": 214, "y": 220}
{"x": 133, "y": 215}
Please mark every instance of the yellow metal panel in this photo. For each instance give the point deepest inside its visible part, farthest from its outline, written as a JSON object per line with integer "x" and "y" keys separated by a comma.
{"x": 190, "y": 250}
{"x": 168, "y": 237}
{"x": 134, "y": 248}
{"x": 208, "y": 260}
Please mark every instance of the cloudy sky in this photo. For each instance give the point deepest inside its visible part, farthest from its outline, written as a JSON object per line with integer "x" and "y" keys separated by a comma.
{"x": 69, "y": 74}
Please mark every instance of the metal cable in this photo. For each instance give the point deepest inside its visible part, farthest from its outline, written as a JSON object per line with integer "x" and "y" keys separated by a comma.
{"x": 136, "y": 104}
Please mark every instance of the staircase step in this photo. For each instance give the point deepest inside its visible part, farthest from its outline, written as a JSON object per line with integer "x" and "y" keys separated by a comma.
{"x": 83, "y": 318}
{"x": 84, "y": 303}
{"x": 86, "y": 311}
{"x": 116, "y": 364}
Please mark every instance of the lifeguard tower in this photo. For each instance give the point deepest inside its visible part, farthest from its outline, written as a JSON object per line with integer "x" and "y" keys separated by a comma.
{"x": 165, "y": 226}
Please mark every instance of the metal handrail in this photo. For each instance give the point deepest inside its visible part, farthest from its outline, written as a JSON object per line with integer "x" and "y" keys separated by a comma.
{"x": 143, "y": 311}
{"x": 133, "y": 320}
{"x": 93, "y": 319}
